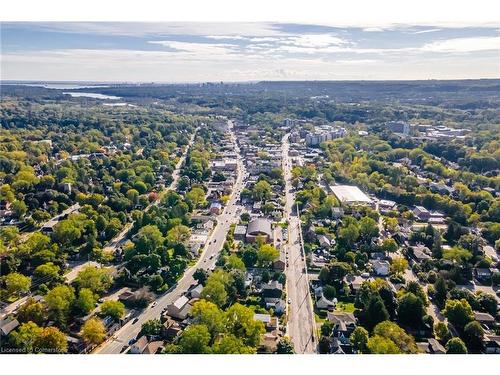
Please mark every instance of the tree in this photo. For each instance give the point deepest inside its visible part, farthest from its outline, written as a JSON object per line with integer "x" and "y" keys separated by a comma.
{"x": 381, "y": 345}
{"x": 473, "y": 336}
{"x": 151, "y": 327}
{"x": 96, "y": 279}
{"x": 148, "y": 239}
{"x": 391, "y": 331}
{"x": 359, "y": 339}
{"x": 59, "y": 300}
{"x": 411, "y": 310}
{"x": 399, "y": 265}
{"x": 25, "y": 337}
{"x": 262, "y": 190}
{"x": 233, "y": 262}
{"x": 455, "y": 346}
{"x": 457, "y": 254}
{"x": 52, "y": 340}
{"x": 241, "y": 323}
{"x": 368, "y": 228}
{"x": 458, "y": 312}
{"x": 47, "y": 272}
{"x": 442, "y": 332}
{"x": 215, "y": 291}
{"x": 285, "y": 346}
{"x": 230, "y": 344}
{"x": 32, "y": 311}
{"x": 390, "y": 224}
{"x": 195, "y": 340}
{"x": 375, "y": 312}
{"x": 440, "y": 291}
{"x": 329, "y": 292}
{"x": 200, "y": 275}
{"x": 267, "y": 254}
{"x": 388, "y": 297}
{"x": 67, "y": 232}
{"x": 115, "y": 309}
{"x": 178, "y": 234}
{"x": 17, "y": 284}
{"x": 349, "y": 234}
{"x": 209, "y": 314}
{"x": 488, "y": 303}
{"x": 156, "y": 281}
{"x": 85, "y": 302}
{"x": 93, "y": 331}
{"x": 19, "y": 209}
{"x": 389, "y": 245}
{"x": 196, "y": 196}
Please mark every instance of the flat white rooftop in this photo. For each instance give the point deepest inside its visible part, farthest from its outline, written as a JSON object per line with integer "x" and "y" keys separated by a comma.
{"x": 349, "y": 194}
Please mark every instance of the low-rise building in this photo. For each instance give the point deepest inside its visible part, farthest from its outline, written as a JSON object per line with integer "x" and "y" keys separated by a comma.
{"x": 180, "y": 308}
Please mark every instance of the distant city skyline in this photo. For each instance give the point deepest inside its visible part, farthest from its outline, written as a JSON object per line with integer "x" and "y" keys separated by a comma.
{"x": 232, "y": 52}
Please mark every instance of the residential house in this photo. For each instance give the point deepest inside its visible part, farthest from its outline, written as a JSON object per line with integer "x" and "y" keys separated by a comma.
{"x": 240, "y": 232}
{"x": 431, "y": 346}
{"x": 196, "y": 291}
{"x": 180, "y": 308}
{"x": 421, "y": 213}
{"x": 153, "y": 347}
{"x": 139, "y": 346}
{"x": 280, "y": 263}
{"x": 7, "y": 326}
{"x": 170, "y": 329}
{"x": 323, "y": 303}
{"x": 272, "y": 289}
{"x": 380, "y": 267}
{"x": 492, "y": 344}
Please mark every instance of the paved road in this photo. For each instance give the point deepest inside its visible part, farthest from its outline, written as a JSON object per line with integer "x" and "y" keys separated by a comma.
{"x": 77, "y": 267}
{"x": 121, "y": 238}
{"x": 53, "y": 221}
{"x": 206, "y": 261}
{"x": 301, "y": 322}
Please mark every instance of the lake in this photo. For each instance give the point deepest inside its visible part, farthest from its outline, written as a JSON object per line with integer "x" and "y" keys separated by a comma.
{"x": 91, "y": 95}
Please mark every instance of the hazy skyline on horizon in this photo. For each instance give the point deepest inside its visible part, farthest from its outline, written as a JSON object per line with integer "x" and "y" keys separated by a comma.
{"x": 199, "y": 52}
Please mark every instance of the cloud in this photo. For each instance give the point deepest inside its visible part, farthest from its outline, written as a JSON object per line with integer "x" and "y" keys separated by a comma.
{"x": 224, "y": 37}
{"x": 426, "y": 31}
{"x": 463, "y": 45}
{"x": 196, "y": 48}
{"x": 315, "y": 40}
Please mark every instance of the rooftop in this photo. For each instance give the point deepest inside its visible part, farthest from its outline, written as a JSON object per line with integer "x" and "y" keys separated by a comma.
{"x": 349, "y": 194}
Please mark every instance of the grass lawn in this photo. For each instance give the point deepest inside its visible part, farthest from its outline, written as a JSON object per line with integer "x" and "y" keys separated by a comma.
{"x": 345, "y": 306}
{"x": 319, "y": 319}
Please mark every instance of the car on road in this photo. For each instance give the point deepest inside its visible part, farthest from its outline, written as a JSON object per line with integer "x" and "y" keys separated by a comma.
{"x": 154, "y": 304}
{"x": 135, "y": 320}
{"x": 289, "y": 300}
{"x": 132, "y": 341}
{"x": 211, "y": 256}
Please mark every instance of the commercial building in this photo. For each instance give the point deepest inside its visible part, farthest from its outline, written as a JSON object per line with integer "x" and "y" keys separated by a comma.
{"x": 399, "y": 127}
{"x": 350, "y": 195}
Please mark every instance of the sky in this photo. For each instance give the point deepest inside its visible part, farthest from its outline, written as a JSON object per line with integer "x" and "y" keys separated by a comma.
{"x": 245, "y": 51}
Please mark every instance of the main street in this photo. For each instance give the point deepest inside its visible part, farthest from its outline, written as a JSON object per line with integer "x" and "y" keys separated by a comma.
{"x": 206, "y": 261}
{"x": 301, "y": 322}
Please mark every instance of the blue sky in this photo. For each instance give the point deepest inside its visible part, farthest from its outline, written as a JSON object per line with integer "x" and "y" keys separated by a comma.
{"x": 195, "y": 52}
